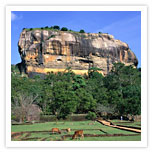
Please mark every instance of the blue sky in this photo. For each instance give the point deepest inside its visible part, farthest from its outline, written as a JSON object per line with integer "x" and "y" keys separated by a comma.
{"x": 124, "y": 25}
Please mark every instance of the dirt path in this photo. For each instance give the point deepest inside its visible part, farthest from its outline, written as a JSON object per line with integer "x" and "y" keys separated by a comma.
{"x": 108, "y": 123}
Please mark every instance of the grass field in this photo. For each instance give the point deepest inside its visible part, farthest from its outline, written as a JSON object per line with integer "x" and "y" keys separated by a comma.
{"x": 93, "y": 131}
{"x": 126, "y": 123}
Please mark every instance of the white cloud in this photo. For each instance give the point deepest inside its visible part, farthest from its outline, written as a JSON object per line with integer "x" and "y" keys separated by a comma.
{"x": 15, "y": 17}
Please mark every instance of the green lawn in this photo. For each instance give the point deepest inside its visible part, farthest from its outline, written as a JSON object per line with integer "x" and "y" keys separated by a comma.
{"x": 89, "y": 127}
{"x": 126, "y": 123}
{"x": 122, "y": 138}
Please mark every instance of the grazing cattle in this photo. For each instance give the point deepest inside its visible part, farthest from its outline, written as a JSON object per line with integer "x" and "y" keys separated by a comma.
{"x": 56, "y": 130}
{"x": 78, "y": 133}
{"x": 68, "y": 130}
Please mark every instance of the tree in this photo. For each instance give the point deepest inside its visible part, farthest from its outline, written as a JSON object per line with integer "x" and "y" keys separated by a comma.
{"x": 86, "y": 102}
{"x": 95, "y": 85}
{"x": 64, "y": 93}
{"x": 68, "y": 74}
{"x": 91, "y": 115}
{"x": 64, "y": 29}
{"x": 97, "y": 90}
{"x": 132, "y": 99}
{"x": 93, "y": 72}
{"x": 78, "y": 82}
{"x": 22, "y": 84}
{"x": 47, "y": 98}
{"x": 56, "y": 27}
{"x": 82, "y": 31}
{"x": 64, "y": 99}
{"x": 124, "y": 88}
{"x": 102, "y": 110}
{"x": 21, "y": 106}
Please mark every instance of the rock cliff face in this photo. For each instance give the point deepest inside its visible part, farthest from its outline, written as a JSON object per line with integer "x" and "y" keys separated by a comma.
{"x": 44, "y": 51}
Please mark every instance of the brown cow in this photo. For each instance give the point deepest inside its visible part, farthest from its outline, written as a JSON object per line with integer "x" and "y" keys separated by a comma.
{"x": 56, "y": 130}
{"x": 68, "y": 130}
{"x": 78, "y": 133}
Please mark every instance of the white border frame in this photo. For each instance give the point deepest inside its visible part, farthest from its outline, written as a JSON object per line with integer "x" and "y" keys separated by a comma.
{"x": 142, "y": 143}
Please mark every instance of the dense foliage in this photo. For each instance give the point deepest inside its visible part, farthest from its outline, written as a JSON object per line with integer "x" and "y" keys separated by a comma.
{"x": 54, "y": 28}
{"x": 64, "y": 29}
{"x": 82, "y": 31}
{"x": 61, "y": 94}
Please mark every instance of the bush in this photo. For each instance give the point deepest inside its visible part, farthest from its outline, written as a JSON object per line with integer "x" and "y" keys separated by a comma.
{"x": 91, "y": 116}
{"x": 42, "y": 28}
{"x": 31, "y": 29}
{"x": 46, "y": 27}
{"x": 82, "y": 31}
{"x": 13, "y": 117}
{"x": 100, "y": 32}
{"x": 64, "y": 29}
{"x": 56, "y": 27}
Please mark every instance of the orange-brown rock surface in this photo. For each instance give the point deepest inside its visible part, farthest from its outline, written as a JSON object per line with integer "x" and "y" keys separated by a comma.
{"x": 44, "y": 51}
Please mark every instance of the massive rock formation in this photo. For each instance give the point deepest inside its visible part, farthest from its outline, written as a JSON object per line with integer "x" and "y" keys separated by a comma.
{"x": 44, "y": 51}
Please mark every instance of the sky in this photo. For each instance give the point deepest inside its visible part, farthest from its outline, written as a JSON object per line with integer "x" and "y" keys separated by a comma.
{"x": 123, "y": 25}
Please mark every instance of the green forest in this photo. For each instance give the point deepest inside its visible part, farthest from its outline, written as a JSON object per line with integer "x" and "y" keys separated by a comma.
{"x": 62, "y": 94}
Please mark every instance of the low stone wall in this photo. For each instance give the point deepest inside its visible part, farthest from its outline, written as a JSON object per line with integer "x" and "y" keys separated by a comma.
{"x": 78, "y": 117}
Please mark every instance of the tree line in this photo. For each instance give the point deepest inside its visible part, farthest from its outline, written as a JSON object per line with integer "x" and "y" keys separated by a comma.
{"x": 55, "y": 27}
{"x": 61, "y": 94}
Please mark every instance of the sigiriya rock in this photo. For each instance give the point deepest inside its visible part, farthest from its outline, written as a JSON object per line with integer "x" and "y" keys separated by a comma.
{"x": 43, "y": 51}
